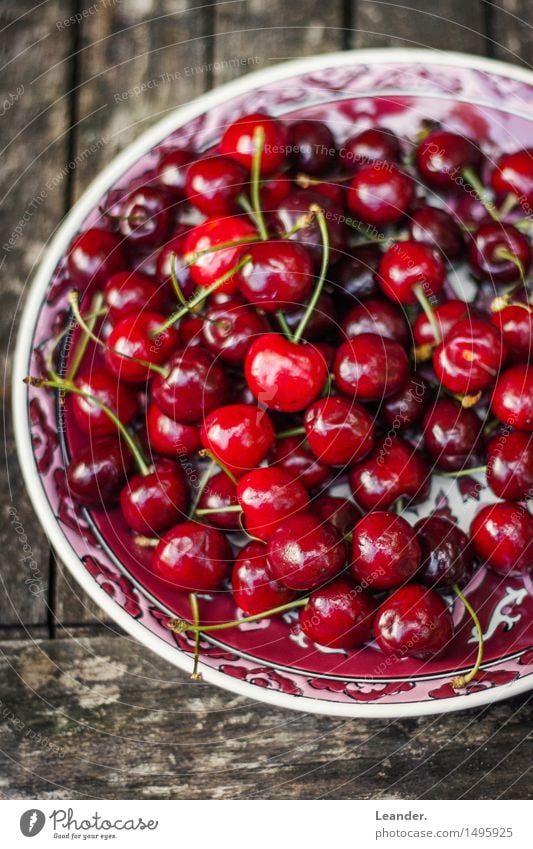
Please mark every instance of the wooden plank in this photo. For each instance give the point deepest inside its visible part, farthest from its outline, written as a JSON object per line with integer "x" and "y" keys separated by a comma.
{"x": 511, "y": 31}
{"x": 115, "y": 719}
{"x": 33, "y": 137}
{"x": 447, "y": 25}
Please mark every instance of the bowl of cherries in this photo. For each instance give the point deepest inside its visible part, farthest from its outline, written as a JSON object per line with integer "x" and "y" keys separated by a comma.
{"x": 273, "y": 385}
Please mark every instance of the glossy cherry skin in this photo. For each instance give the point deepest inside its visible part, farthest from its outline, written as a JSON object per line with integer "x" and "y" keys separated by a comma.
{"x": 502, "y": 534}
{"x": 323, "y": 321}
{"x": 93, "y": 257}
{"x": 304, "y": 552}
{"x": 340, "y": 512}
{"x": 145, "y": 217}
{"x": 268, "y": 496}
{"x": 515, "y": 323}
{"x": 514, "y": 175}
{"x": 437, "y": 228}
{"x": 312, "y": 147}
{"x": 441, "y": 157}
{"x": 484, "y": 253}
{"x": 238, "y": 142}
{"x": 447, "y": 553}
{"x": 130, "y": 292}
{"x": 452, "y": 435}
{"x": 273, "y": 190}
{"x": 377, "y": 144}
{"x": 339, "y": 430}
{"x": 172, "y": 170}
{"x": 293, "y": 455}
{"x": 254, "y": 589}
{"x": 339, "y": 615}
{"x": 171, "y": 257}
{"x": 446, "y": 315}
{"x": 380, "y": 193}
{"x": 105, "y": 388}
{"x": 230, "y": 329}
{"x": 153, "y": 502}
{"x": 408, "y": 264}
{"x": 510, "y": 465}
{"x": 385, "y": 551}
{"x": 290, "y": 211}
{"x": 414, "y": 621}
{"x": 169, "y": 437}
{"x": 394, "y": 470}
{"x": 194, "y": 386}
{"x": 220, "y": 492}
{"x": 282, "y": 375}
{"x": 406, "y": 407}
{"x": 213, "y": 184}
{"x": 470, "y": 213}
{"x": 279, "y": 275}
{"x": 512, "y": 399}
{"x": 355, "y": 277}
{"x": 370, "y": 367}
{"x": 96, "y": 474}
{"x": 137, "y": 336}
{"x": 239, "y": 435}
{"x": 469, "y": 358}
{"x": 193, "y": 558}
{"x": 376, "y": 315}
{"x": 209, "y": 267}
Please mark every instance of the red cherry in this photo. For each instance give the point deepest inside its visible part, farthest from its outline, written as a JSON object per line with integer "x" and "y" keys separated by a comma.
{"x": 340, "y": 512}
{"x": 289, "y": 212}
{"x": 239, "y": 435}
{"x": 469, "y": 357}
{"x": 452, "y": 435}
{"x": 408, "y": 264}
{"x": 385, "y": 551}
{"x": 406, "y": 407}
{"x": 239, "y": 142}
{"x": 167, "y": 436}
{"x": 515, "y": 323}
{"x": 220, "y": 492}
{"x": 145, "y": 217}
{"x": 120, "y": 399}
{"x": 213, "y": 184}
{"x": 311, "y": 147}
{"x": 279, "y": 275}
{"x": 304, "y": 552}
{"x": 442, "y": 156}
{"x": 321, "y": 324}
{"x": 393, "y": 470}
{"x": 267, "y": 497}
{"x": 377, "y": 144}
{"x": 136, "y": 336}
{"x": 254, "y": 590}
{"x": 510, "y": 465}
{"x": 230, "y": 329}
{"x": 370, "y": 367}
{"x": 376, "y": 315}
{"x": 171, "y": 257}
{"x": 437, "y": 228}
{"x": 513, "y": 175}
{"x": 130, "y": 292}
{"x": 470, "y": 213}
{"x": 96, "y": 474}
{"x": 380, "y": 193}
{"x": 172, "y": 170}
{"x": 446, "y": 316}
{"x": 339, "y": 430}
{"x": 339, "y": 615}
{"x": 512, "y": 400}
{"x": 283, "y": 375}
{"x": 502, "y": 534}
{"x": 94, "y": 256}
{"x": 195, "y": 385}
{"x": 273, "y": 190}
{"x": 496, "y": 252}
{"x": 193, "y": 558}
{"x": 192, "y": 331}
{"x": 291, "y": 454}
{"x": 415, "y": 622}
{"x": 355, "y": 277}
{"x": 153, "y": 502}
{"x": 209, "y": 267}
{"x": 447, "y": 554}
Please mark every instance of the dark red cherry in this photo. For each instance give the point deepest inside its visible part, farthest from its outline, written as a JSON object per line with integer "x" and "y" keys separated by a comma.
{"x": 153, "y": 502}
{"x": 334, "y": 192}
{"x": 304, "y": 552}
{"x": 239, "y": 435}
{"x": 293, "y": 455}
{"x": 452, "y": 435}
{"x": 447, "y": 553}
{"x": 213, "y": 184}
{"x": 230, "y": 328}
{"x": 497, "y": 251}
{"x": 408, "y": 264}
{"x": 171, "y": 256}
{"x": 370, "y": 367}
{"x": 268, "y": 496}
{"x": 220, "y": 492}
{"x": 377, "y": 144}
{"x": 342, "y": 513}
{"x": 97, "y": 473}
{"x": 442, "y": 156}
{"x": 513, "y": 175}
{"x": 93, "y": 257}
{"x": 406, "y": 407}
{"x": 254, "y": 590}
{"x": 282, "y": 375}
{"x": 502, "y": 534}
{"x": 137, "y": 336}
{"x": 273, "y": 190}
{"x": 289, "y": 212}
{"x": 339, "y": 615}
{"x": 278, "y": 275}
{"x": 385, "y": 551}
{"x": 376, "y": 315}
{"x": 437, "y": 228}
{"x": 193, "y": 558}
{"x": 512, "y": 399}
{"x": 238, "y": 142}
{"x": 510, "y": 465}
{"x": 145, "y": 217}
{"x": 446, "y": 316}
{"x": 169, "y": 437}
{"x": 380, "y": 193}
{"x": 311, "y": 147}
{"x": 415, "y": 622}
{"x": 393, "y": 470}
{"x": 469, "y": 358}
{"x": 101, "y": 385}
{"x": 355, "y": 276}
{"x": 194, "y": 386}
{"x": 470, "y": 213}
{"x": 515, "y": 323}
{"x": 130, "y": 292}
{"x": 339, "y": 430}
{"x": 209, "y": 267}
{"x": 323, "y": 321}
{"x": 172, "y": 170}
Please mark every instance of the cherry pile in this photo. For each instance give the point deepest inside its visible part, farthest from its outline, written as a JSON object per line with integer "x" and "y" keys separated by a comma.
{"x": 262, "y": 323}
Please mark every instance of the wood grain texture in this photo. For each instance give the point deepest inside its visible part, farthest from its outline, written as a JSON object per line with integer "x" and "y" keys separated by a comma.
{"x": 115, "y": 721}
{"x": 511, "y": 31}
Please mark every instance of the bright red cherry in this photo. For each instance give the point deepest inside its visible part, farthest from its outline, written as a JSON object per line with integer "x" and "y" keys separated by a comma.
{"x": 341, "y": 512}
{"x": 267, "y": 497}
{"x": 137, "y": 336}
{"x": 406, "y": 407}
{"x": 273, "y": 190}
{"x": 442, "y": 156}
{"x": 153, "y": 502}
{"x": 169, "y": 437}
{"x": 376, "y": 315}
{"x": 437, "y": 228}
{"x": 239, "y": 435}
{"x": 377, "y": 144}
{"x": 370, "y": 367}
{"x": 293, "y": 455}
{"x": 502, "y": 534}
{"x": 171, "y": 257}
{"x": 213, "y": 184}
{"x": 97, "y": 473}
{"x": 393, "y": 470}
{"x": 130, "y": 292}
{"x": 498, "y": 251}
{"x": 172, "y": 170}
{"x": 408, "y": 264}
{"x": 380, "y": 193}
{"x": 254, "y": 590}
{"x": 339, "y": 430}
{"x": 447, "y": 553}
{"x": 195, "y": 385}
{"x": 239, "y": 142}
{"x": 145, "y": 217}
{"x": 513, "y": 175}
{"x": 209, "y": 267}
{"x": 193, "y": 558}
{"x": 452, "y": 435}
{"x": 339, "y": 615}
{"x": 469, "y": 358}
{"x": 311, "y": 146}
{"x": 415, "y": 622}
{"x": 220, "y": 492}
{"x": 93, "y": 257}
{"x": 446, "y": 316}
{"x": 355, "y": 277}
{"x": 304, "y": 552}
{"x": 230, "y": 328}
{"x": 515, "y": 322}
{"x": 278, "y": 275}
{"x": 385, "y": 551}
{"x": 510, "y": 465}
{"x": 289, "y": 213}
{"x": 512, "y": 400}
{"x": 118, "y": 397}
{"x": 282, "y": 375}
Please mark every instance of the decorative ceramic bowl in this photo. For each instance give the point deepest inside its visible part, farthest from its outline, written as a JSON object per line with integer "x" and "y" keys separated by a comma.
{"x": 270, "y": 660}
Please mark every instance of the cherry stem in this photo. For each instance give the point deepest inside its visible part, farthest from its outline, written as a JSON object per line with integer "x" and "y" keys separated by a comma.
{"x": 462, "y": 680}
{"x": 283, "y": 324}
{"x": 195, "y": 675}
{"x": 81, "y": 348}
{"x": 245, "y": 204}
{"x": 504, "y": 253}
{"x": 175, "y": 282}
{"x": 255, "y": 181}
{"x": 398, "y": 506}
{"x": 479, "y": 189}
{"x": 207, "y": 511}
{"x": 321, "y": 219}
{"x": 427, "y": 306}
{"x": 192, "y": 257}
{"x": 292, "y": 431}
{"x": 206, "y": 453}
{"x": 508, "y": 205}
{"x": 145, "y": 542}
{"x": 65, "y": 386}
{"x": 461, "y": 473}
{"x": 302, "y": 223}
{"x": 200, "y": 489}
{"x": 179, "y": 626}
{"x": 90, "y": 317}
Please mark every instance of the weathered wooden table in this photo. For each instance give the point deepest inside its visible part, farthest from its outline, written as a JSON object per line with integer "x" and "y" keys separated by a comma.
{"x": 84, "y": 711}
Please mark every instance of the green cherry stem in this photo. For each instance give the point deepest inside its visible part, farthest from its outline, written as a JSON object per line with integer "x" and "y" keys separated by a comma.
{"x": 179, "y": 626}
{"x": 504, "y": 253}
{"x": 207, "y": 511}
{"x": 192, "y": 257}
{"x": 508, "y": 205}
{"x": 200, "y": 489}
{"x": 321, "y": 220}
{"x": 205, "y": 452}
{"x": 175, "y": 282}
{"x": 462, "y": 680}
{"x": 195, "y": 675}
{"x": 283, "y": 324}
{"x": 426, "y": 305}
{"x": 461, "y": 473}
{"x": 255, "y": 181}
{"x": 471, "y": 177}
{"x": 81, "y": 348}
{"x": 292, "y": 431}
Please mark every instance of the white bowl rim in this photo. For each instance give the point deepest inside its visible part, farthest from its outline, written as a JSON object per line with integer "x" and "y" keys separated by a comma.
{"x": 55, "y": 250}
